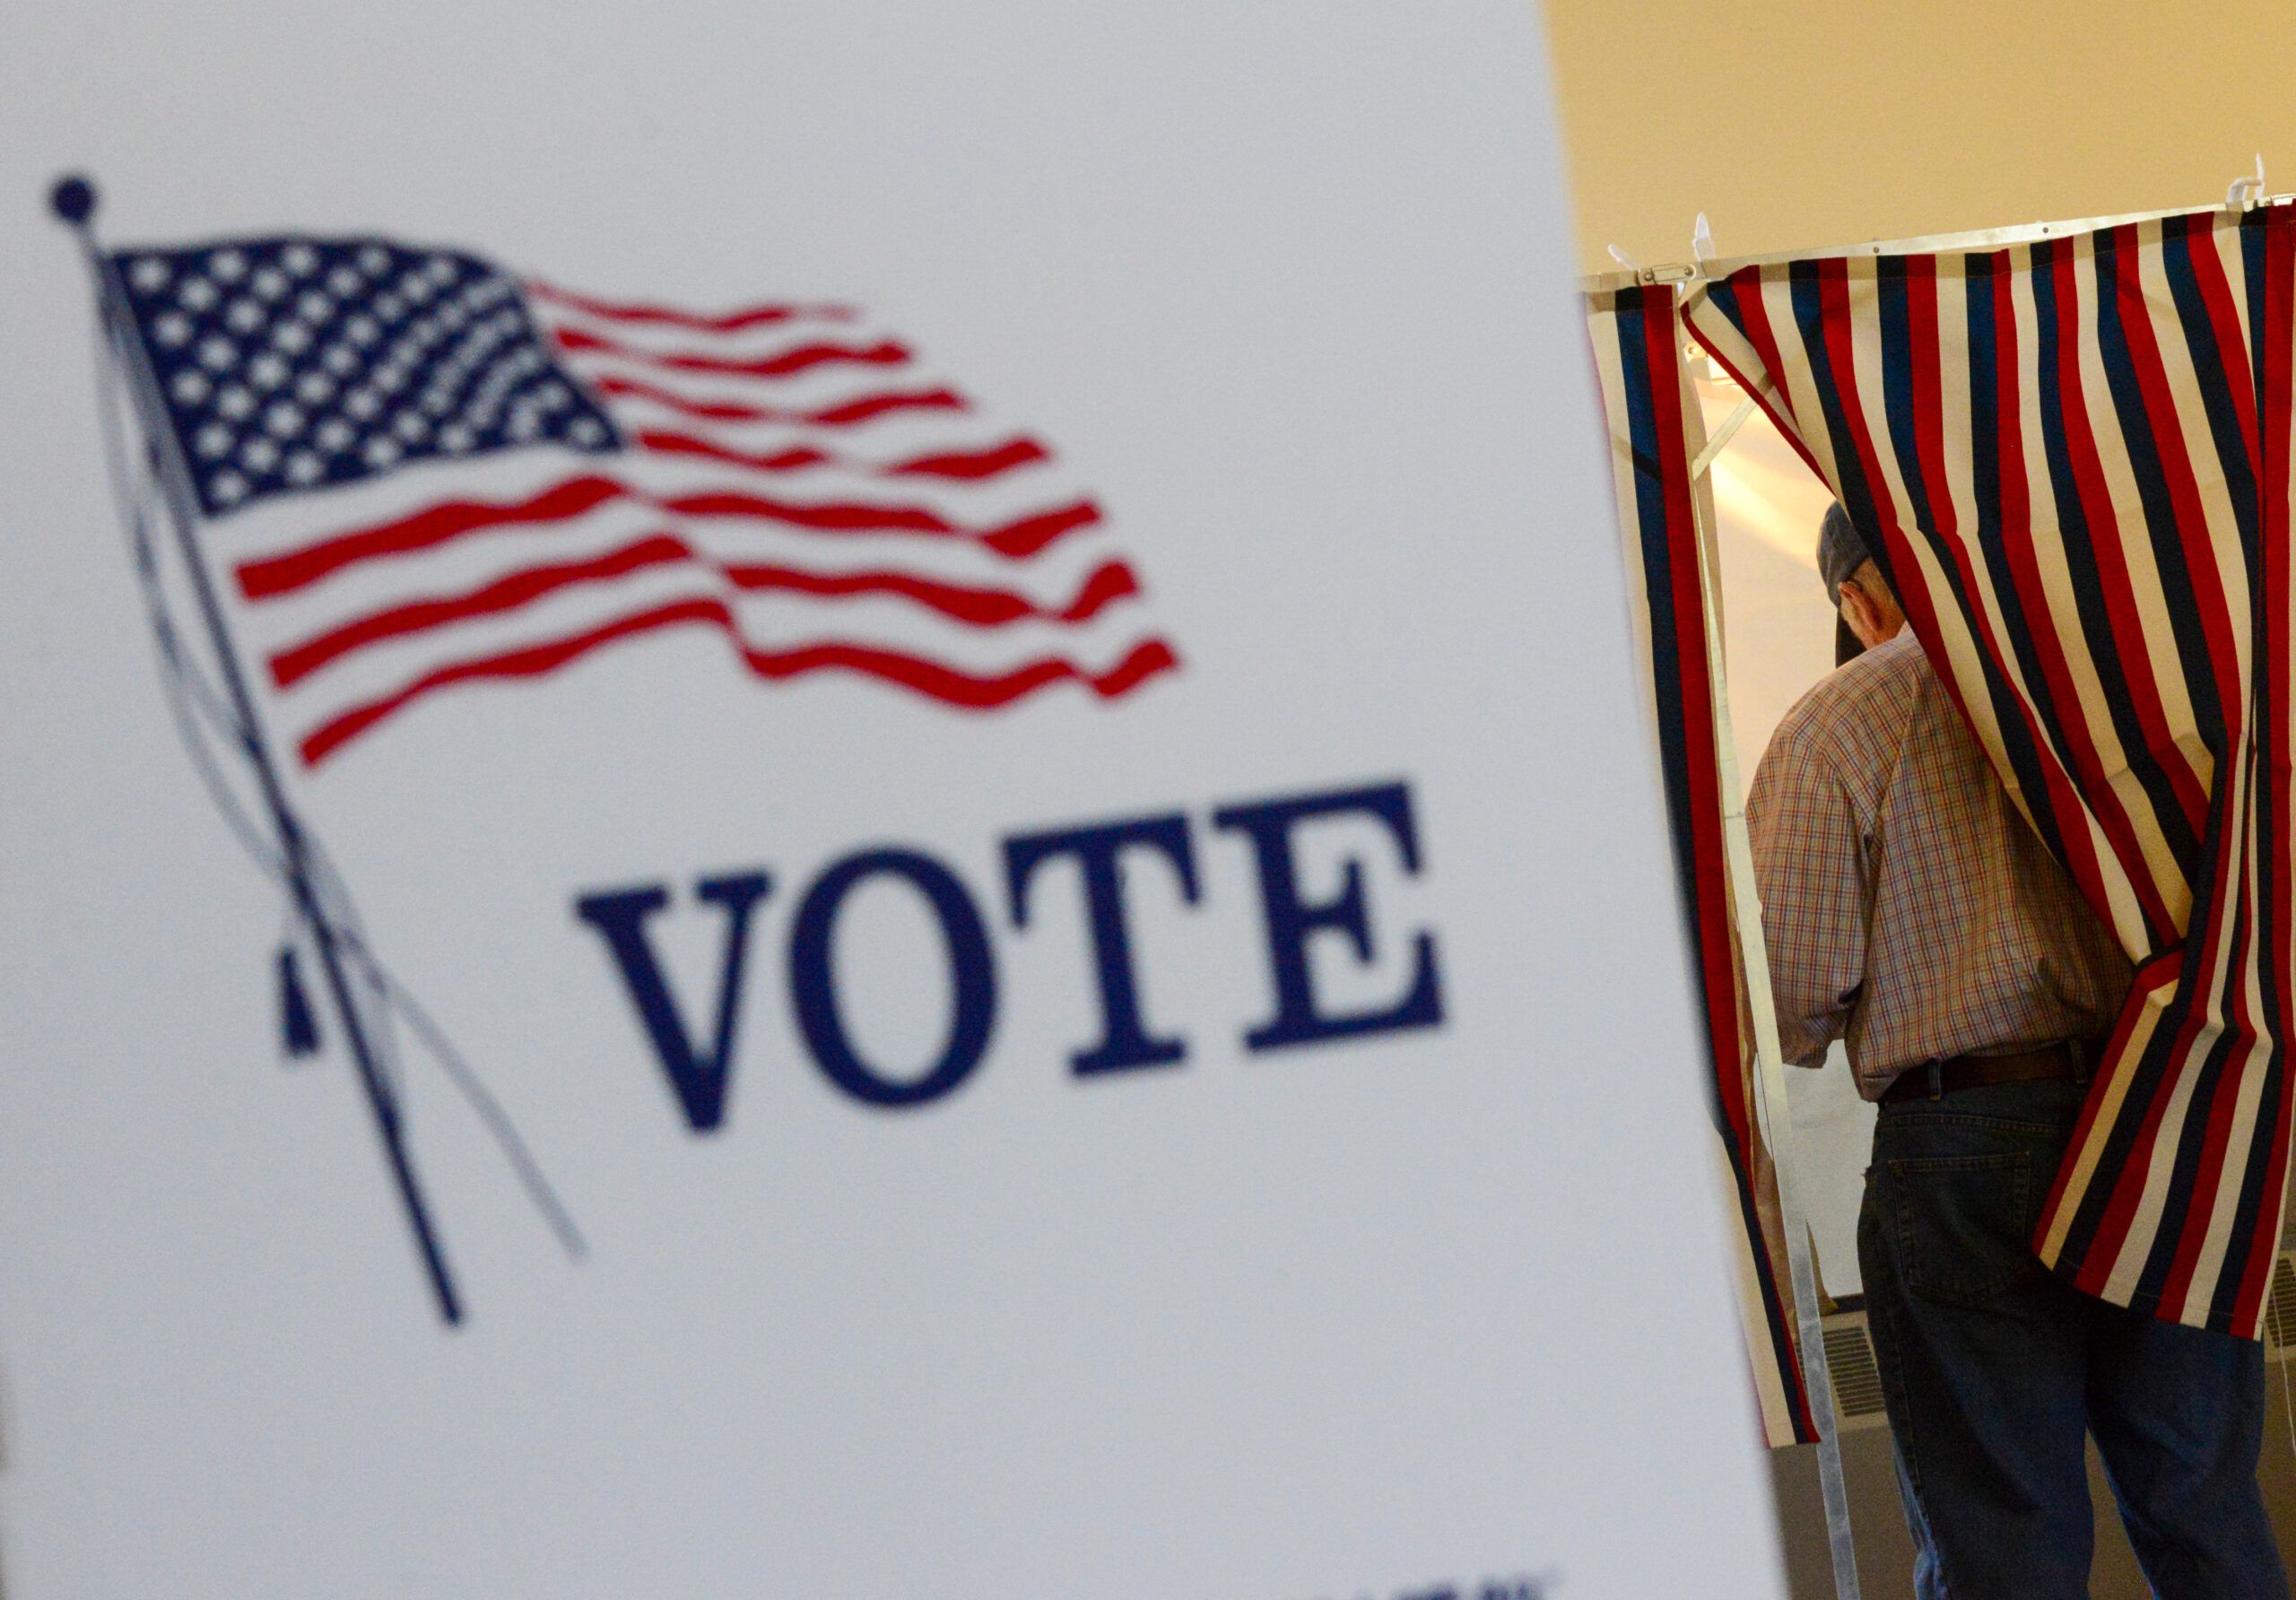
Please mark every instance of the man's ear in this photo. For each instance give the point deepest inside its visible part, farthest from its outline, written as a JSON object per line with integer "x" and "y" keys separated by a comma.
{"x": 1858, "y": 610}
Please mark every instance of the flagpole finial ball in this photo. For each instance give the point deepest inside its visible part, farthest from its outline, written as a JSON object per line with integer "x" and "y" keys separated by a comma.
{"x": 74, "y": 199}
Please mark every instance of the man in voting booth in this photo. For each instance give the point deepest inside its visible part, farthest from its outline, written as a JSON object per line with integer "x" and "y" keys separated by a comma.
{"x": 1910, "y": 910}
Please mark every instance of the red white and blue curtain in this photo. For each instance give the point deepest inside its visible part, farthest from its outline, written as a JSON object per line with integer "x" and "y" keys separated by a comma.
{"x": 2073, "y": 455}
{"x": 1656, "y": 431}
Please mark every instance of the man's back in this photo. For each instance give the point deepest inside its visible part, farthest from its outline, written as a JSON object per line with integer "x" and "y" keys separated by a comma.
{"x": 1908, "y": 905}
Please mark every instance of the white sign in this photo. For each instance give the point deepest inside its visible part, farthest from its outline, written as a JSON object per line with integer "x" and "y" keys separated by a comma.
{"x": 831, "y": 799}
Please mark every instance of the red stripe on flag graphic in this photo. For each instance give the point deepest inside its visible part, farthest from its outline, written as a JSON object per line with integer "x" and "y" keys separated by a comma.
{"x": 724, "y": 322}
{"x": 976, "y": 607}
{"x": 264, "y": 577}
{"x": 846, "y": 413}
{"x": 971, "y": 466}
{"x": 787, "y": 363}
{"x": 930, "y": 678}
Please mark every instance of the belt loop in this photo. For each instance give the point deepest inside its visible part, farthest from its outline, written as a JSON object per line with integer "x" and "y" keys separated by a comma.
{"x": 2079, "y": 1049}
{"x": 1935, "y": 1067}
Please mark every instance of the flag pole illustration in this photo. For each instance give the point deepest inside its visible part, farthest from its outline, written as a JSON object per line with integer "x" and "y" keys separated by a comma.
{"x": 75, "y": 202}
{"x": 416, "y": 473}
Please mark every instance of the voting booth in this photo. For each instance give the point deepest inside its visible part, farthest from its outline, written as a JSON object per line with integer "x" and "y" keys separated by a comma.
{"x": 2068, "y": 445}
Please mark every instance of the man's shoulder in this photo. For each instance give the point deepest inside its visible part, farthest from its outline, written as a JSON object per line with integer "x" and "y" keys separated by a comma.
{"x": 1861, "y": 706}
{"x": 1850, "y": 731}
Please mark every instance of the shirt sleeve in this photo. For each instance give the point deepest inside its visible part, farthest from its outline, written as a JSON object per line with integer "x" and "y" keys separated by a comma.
{"x": 1810, "y": 871}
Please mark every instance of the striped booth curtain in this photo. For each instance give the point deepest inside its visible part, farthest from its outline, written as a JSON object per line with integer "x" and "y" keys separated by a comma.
{"x": 2073, "y": 454}
{"x": 1654, "y": 433}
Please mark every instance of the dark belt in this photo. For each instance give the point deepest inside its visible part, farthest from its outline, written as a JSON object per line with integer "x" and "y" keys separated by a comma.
{"x": 1928, "y": 1080}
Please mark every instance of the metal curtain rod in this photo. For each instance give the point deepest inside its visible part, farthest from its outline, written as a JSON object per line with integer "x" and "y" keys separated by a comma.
{"x": 1982, "y": 238}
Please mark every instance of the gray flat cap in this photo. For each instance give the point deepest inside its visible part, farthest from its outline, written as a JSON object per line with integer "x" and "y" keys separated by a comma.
{"x": 1841, "y": 550}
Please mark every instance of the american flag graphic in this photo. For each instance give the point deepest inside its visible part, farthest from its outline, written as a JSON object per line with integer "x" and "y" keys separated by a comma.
{"x": 417, "y": 471}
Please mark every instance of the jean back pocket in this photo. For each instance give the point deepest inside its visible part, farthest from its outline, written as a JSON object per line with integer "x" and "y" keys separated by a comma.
{"x": 1964, "y": 1224}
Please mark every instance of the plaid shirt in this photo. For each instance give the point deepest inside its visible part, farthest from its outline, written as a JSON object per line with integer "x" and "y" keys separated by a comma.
{"x": 1907, "y": 905}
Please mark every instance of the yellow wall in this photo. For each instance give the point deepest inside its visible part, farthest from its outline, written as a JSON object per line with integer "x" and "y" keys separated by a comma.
{"x": 1798, "y": 124}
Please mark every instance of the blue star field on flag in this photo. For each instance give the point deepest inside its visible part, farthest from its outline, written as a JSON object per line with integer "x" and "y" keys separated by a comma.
{"x": 291, "y": 363}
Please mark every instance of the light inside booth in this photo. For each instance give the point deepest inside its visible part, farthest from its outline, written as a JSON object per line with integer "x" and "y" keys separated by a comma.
{"x": 1777, "y": 642}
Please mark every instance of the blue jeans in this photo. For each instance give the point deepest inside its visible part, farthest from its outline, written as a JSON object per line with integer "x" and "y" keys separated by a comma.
{"x": 1994, "y": 1370}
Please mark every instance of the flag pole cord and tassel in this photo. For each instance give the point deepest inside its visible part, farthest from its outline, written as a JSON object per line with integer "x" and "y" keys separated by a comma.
{"x": 201, "y": 717}
{"x": 291, "y": 853}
